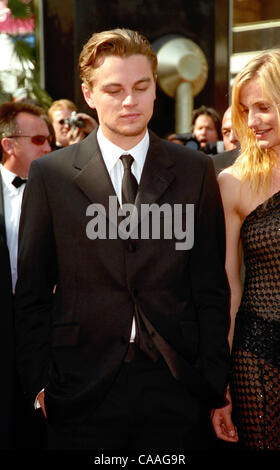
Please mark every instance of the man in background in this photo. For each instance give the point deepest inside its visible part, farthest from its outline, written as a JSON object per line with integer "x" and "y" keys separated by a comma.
{"x": 24, "y": 137}
{"x": 69, "y": 128}
{"x": 225, "y": 159}
{"x": 206, "y": 126}
{"x": 229, "y": 139}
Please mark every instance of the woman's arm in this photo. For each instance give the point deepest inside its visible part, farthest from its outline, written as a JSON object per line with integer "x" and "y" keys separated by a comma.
{"x": 230, "y": 192}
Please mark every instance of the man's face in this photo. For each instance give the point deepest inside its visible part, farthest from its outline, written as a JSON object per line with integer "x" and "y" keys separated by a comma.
{"x": 205, "y": 130}
{"x": 123, "y": 93}
{"x": 229, "y": 139}
{"x": 60, "y": 128}
{"x": 22, "y": 151}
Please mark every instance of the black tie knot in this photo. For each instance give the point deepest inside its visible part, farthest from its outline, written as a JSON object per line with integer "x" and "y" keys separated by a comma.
{"x": 127, "y": 161}
{"x": 18, "y": 181}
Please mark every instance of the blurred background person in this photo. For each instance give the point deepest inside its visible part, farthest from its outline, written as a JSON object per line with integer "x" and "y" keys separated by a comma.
{"x": 226, "y": 158}
{"x": 69, "y": 125}
{"x": 175, "y": 138}
{"x": 206, "y": 132}
{"x": 24, "y": 137}
{"x": 229, "y": 138}
{"x": 206, "y": 126}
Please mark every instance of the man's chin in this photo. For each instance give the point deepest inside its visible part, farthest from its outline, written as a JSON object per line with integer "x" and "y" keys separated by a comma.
{"x": 130, "y": 131}
{"x": 63, "y": 143}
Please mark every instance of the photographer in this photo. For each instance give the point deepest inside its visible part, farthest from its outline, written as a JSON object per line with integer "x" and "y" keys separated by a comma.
{"x": 206, "y": 132}
{"x": 70, "y": 127}
{"x": 206, "y": 126}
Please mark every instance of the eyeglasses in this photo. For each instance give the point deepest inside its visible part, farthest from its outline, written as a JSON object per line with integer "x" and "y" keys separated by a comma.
{"x": 35, "y": 139}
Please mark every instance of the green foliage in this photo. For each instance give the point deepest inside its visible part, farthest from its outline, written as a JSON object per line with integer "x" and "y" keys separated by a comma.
{"x": 23, "y": 51}
{"x": 3, "y": 95}
{"x": 40, "y": 94}
{"x": 20, "y": 9}
{"x": 26, "y": 55}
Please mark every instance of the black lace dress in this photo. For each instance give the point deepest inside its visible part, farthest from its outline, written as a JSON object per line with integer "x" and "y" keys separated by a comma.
{"x": 255, "y": 385}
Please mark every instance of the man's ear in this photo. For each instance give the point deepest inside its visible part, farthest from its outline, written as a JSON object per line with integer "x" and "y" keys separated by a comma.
{"x": 88, "y": 95}
{"x": 7, "y": 145}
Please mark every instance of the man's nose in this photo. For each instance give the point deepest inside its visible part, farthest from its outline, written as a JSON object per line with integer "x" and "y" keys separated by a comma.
{"x": 46, "y": 147}
{"x": 129, "y": 99}
{"x": 232, "y": 137}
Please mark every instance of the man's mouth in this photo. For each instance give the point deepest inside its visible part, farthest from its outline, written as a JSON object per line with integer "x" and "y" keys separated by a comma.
{"x": 130, "y": 116}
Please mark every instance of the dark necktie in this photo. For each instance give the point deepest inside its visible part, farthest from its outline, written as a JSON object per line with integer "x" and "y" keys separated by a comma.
{"x": 129, "y": 182}
{"x": 18, "y": 181}
{"x": 129, "y": 191}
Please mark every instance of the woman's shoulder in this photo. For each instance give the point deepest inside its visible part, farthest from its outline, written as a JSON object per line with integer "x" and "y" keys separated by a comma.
{"x": 230, "y": 182}
{"x": 236, "y": 193}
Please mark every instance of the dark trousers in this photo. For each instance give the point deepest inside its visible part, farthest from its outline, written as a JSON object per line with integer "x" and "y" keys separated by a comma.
{"x": 146, "y": 408}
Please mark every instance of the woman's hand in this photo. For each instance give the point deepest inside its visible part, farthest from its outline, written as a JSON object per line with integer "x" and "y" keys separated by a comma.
{"x": 222, "y": 423}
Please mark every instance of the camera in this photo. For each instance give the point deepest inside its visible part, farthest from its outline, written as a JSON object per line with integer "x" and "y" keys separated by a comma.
{"x": 74, "y": 121}
{"x": 212, "y": 148}
{"x": 188, "y": 140}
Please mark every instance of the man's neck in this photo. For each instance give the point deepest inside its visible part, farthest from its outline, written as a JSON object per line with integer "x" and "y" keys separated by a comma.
{"x": 125, "y": 142}
{"x": 10, "y": 166}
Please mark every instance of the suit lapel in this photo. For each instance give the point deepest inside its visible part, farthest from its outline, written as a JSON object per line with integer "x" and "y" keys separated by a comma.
{"x": 4, "y": 251}
{"x": 156, "y": 176}
{"x": 94, "y": 180}
{"x": 2, "y": 216}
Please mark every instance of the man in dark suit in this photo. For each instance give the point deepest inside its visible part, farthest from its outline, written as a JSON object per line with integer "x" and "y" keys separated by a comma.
{"x": 122, "y": 335}
{"x": 18, "y": 123}
{"x": 225, "y": 159}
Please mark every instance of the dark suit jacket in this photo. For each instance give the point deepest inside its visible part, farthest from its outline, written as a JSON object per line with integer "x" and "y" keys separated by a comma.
{"x": 20, "y": 427}
{"x": 73, "y": 341}
{"x": 7, "y": 340}
{"x": 223, "y": 160}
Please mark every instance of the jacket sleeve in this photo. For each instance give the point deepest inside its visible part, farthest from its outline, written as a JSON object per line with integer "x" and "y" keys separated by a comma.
{"x": 35, "y": 286}
{"x": 209, "y": 283}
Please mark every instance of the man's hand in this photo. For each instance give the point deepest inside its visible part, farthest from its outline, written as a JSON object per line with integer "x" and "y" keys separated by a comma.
{"x": 222, "y": 423}
{"x": 41, "y": 400}
{"x": 90, "y": 122}
{"x": 75, "y": 135}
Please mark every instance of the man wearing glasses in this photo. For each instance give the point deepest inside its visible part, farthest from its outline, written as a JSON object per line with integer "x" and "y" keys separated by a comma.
{"x": 24, "y": 136}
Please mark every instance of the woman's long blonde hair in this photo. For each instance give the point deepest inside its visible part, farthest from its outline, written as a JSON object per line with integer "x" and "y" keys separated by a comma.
{"x": 255, "y": 164}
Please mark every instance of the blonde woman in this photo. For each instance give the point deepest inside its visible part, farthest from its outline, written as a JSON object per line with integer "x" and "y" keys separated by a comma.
{"x": 250, "y": 191}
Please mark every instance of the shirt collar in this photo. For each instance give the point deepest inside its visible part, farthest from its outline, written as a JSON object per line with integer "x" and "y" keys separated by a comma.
{"x": 7, "y": 175}
{"x": 111, "y": 152}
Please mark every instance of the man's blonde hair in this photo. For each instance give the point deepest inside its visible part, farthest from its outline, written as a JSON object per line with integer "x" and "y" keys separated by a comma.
{"x": 255, "y": 164}
{"x": 61, "y": 104}
{"x": 118, "y": 42}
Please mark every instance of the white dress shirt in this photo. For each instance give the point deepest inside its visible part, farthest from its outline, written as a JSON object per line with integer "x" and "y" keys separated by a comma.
{"x": 111, "y": 154}
{"x": 12, "y": 208}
